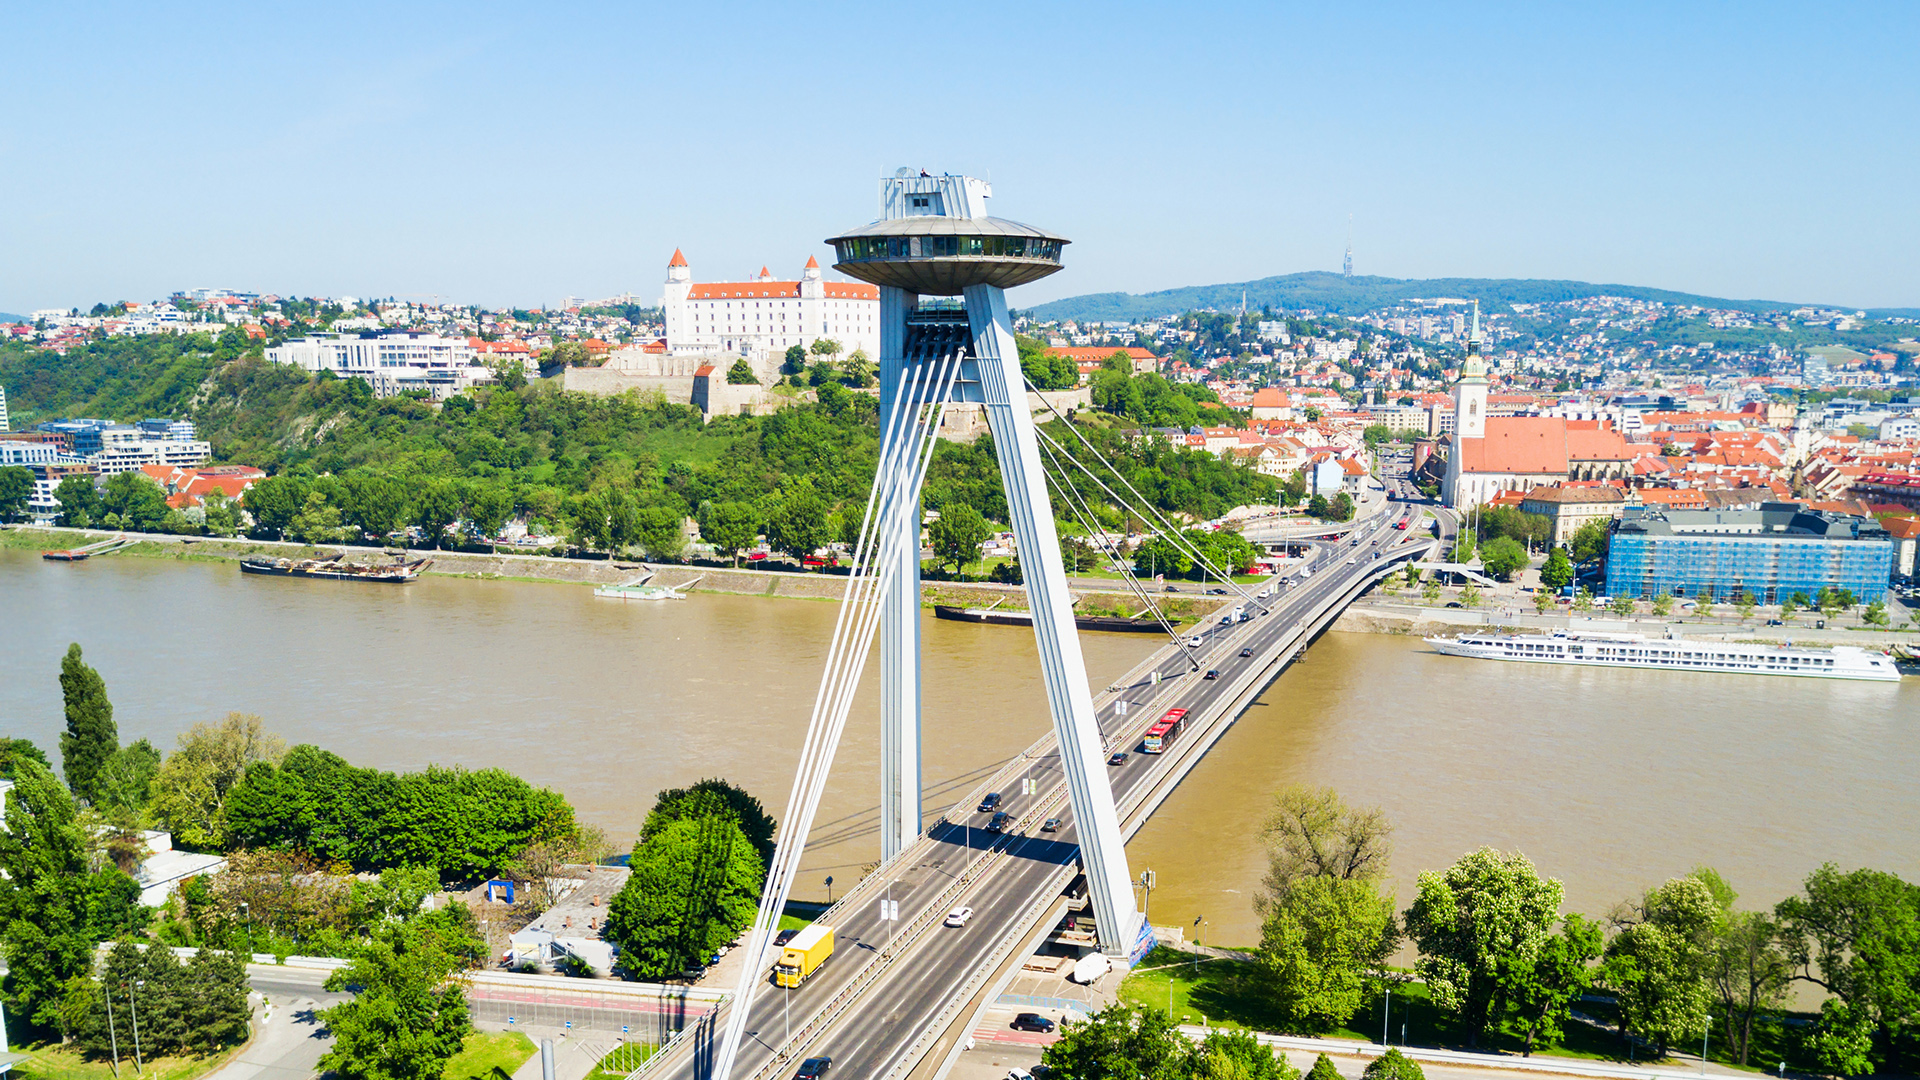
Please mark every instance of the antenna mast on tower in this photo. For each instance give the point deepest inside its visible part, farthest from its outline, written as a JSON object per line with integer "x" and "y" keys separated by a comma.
{"x": 1347, "y": 268}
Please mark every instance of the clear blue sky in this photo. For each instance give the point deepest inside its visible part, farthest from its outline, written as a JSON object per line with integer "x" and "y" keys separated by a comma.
{"x": 518, "y": 154}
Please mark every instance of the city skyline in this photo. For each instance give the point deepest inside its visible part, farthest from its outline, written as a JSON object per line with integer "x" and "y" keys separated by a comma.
{"x": 444, "y": 152}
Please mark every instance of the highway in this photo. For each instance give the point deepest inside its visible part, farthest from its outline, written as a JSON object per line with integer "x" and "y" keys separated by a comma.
{"x": 877, "y": 1014}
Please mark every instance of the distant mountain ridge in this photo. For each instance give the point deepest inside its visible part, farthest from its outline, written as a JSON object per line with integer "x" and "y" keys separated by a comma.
{"x": 5, "y": 317}
{"x": 1328, "y": 292}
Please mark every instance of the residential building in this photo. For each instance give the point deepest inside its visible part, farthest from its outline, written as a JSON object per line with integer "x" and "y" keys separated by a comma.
{"x": 1776, "y": 552}
{"x": 6, "y": 423}
{"x": 41, "y": 504}
{"x": 1569, "y": 507}
{"x": 1905, "y": 534}
{"x": 81, "y": 437}
{"x": 763, "y": 318}
{"x": 126, "y": 449}
{"x": 391, "y": 363}
{"x": 178, "y": 430}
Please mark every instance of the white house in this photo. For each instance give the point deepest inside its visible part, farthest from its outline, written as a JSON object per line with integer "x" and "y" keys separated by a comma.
{"x": 390, "y": 363}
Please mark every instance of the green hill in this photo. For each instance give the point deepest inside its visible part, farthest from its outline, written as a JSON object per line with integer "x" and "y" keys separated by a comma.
{"x": 1340, "y": 295}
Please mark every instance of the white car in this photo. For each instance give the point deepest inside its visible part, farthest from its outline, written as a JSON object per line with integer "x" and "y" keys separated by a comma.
{"x": 1195, "y": 642}
{"x": 959, "y": 916}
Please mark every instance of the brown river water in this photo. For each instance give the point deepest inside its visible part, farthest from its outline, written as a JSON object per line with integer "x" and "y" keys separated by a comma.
{"x": 1609, "y": 780}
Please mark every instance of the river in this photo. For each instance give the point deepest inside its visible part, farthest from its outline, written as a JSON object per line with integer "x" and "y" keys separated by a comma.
{"x": 1609, "y": 780}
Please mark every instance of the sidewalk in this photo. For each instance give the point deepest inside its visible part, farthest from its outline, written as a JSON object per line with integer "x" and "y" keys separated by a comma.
{"x": 1538, "y": 1064}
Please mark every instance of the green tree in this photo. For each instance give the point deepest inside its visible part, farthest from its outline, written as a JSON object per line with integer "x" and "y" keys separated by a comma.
{"x": 681, "y": 804}
{"x": 318, "y": 521}
{"x": 1120, "y": 1040}
{"x": 273, "y": 504}
{"x": 1583, "y": 599}
{"x": 1663, "y": 603}
{"x": 91, "y": 736}
{"x": 858, "y": 370}
{"x": 957, "y": 534}
{"x": 798, "y": 525}
{"x": 1487, "y": 915}
{"x": 408, "y": 1014}
{"x": 661, "y": 531}
{"x": 695, "y": 885}
{"x": 1542, "y": 993}
{"x": 1340, "y": 507}
{"x": 1557, "y": 573}
{"x": 1657, "y": 962}
{"x": 1237, "y": 1055}
{"x": 1465, "y": 543}
{"x": 1469, "y": 595}
{"x": 1748, "y": 972}
{"x": 1856, "y": 935}
{"x": 1503, "y": 557}
{"x": 489, "y": 506}
{"x": 16, "y": 487}
{"x": 376, "y": 505}
{"x": 731, "y": 527}
{"x": 1589, "y": 541}
{"x": 1323, "y": 1068}
{"x": 436, "y": 506}
{"x": 741, "y": 373}
{"x": 13, "y": 750}
{"x": 131, "y": 500}
{"x": 1745, "y": 602}
{"x": 1393, "y": 1065}
{"x": 190, "y": 789}
{"x": 1621, "y": 605}
{"x": 1044, "y": 368}
{"x": 795, "y": 361}
{"x": 126, "y": 779}
{"x": 79, "y": 501}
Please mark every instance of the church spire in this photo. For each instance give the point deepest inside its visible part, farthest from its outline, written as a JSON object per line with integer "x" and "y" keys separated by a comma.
{"x": 1476, "y": 365}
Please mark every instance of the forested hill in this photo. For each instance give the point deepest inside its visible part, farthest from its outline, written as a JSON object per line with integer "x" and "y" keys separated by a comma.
{"x": 1340, "y": 295}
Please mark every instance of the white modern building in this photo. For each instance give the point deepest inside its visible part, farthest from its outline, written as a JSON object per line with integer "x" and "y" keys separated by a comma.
{"x": 4, "y": 421}
{"x": 390, "y": 363}
{"x": 124, "y": 449}
{"x": 762, "y": 318}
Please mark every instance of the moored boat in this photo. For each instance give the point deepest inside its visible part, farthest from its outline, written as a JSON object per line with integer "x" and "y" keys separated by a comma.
{"x": 1119, "y": 624}
{"x": 335, "y": 568}
{"x": 1673, "y": 654}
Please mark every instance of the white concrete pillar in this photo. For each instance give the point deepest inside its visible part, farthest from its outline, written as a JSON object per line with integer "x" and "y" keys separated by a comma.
{"x": 900, "y": 615}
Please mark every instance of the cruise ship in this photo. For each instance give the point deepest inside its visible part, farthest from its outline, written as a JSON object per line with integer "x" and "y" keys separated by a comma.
{"x": 1637, "y": 651}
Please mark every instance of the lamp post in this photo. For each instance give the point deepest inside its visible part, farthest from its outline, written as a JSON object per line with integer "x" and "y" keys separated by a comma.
{"x": 139, "y": 1066}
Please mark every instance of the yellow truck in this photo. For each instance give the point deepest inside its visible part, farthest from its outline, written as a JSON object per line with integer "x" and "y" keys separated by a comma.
{"x": 803, "y": 955}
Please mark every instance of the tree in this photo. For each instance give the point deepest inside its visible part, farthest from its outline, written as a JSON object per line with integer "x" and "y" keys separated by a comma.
{"x": 661, "y": 531}
{"x": 731, "y": 527}
{"x": 1393, "y": 1065}
{"x": 1589, "y": 541}
{"x": 16, "y": 487}
{"x": 1663, "y": 603}
{"x": 1856, "y": 935}
{"x": 318, "y": 521}
{"x": 1465, "y": 543}
{"x": 131, "y": 500}
{"x": 1657, "y": 962}
{"x": 436, "y": 506}
{"x": 1557, "y": 573}
{"x": 1323, "y": 1068}
{"x": 1313, "y": 833}
{"x": 1237, "y": 1055}
{"x": 1748, "y": 972}
{"x": 14, "y": 750}
{"x": 1746, "y": 602}
{"x": 1120, "y": 1040}
{"x": 91, "y": 736}
{"x": 798, "y": 524}
{"x": 1487, "y": 915}
{"x": 409, "y": 1012}
{"x": 190, "y": 790}
{"x": 858, "y": 369}
{"x": 273, "y": 504}
{"x": 1621, "y": 605}
{"x": 741, "y": 373}
{"x": 376, "y": 505}
{"x": 488, "y": 508}
{"x": 79, "y": 501}
{"x": 680, "y": 804}
{"x": 1583, "y": 600}
{"x": 1469, "y": 595}
{"x": 957, "y": 534}
{"x": 1341, "y": 507}
{"x": 695, "y": 885}
{"x": 1503, "y": 557}
{"x": 795, "y": 361}
{"x": 1543, "y": 992}
{"x": 124, "y": 782}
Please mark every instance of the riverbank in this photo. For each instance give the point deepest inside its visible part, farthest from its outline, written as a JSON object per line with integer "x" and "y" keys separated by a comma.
{"x": 547, "y": 568}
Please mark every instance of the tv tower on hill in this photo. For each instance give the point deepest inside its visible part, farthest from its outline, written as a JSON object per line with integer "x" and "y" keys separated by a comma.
{"x": 1346, "y": 268}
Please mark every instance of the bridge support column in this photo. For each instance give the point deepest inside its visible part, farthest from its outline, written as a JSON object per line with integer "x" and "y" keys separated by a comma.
{"x": 900, "y": 615}
{"x": 1102, "y": 851}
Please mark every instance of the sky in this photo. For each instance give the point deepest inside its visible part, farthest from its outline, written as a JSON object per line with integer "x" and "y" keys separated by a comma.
{"x": 521, "y": 154}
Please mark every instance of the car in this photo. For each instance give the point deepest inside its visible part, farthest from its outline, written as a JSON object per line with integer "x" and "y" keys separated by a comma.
{"x": 1216, "y": 592}
{"x": 998, "y": 822}
{"x": 784, "y": 936}
{"x": 813, "y": 1068}
{"x": 1195, "y": 641}
{"x": 1118, "y": 757}
{"x": 1248, "y": 651}
{"x": 959, "y": 916}
{"x": 991, "y": 803}
{"x": 1173, "y": 588}
{"x": 693, "y": 974}
{"x": 1775, "y": 622}
{"x": 1454, "y": 603}
{"x": 1212, "y": 673}
{"x": 1052, "y": 824}
{"x": 1032, "y": 1022}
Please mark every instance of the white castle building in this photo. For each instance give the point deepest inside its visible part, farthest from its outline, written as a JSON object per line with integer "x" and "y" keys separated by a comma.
{"x": 762, "y": 318}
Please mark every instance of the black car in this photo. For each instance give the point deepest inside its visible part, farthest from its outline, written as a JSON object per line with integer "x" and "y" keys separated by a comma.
{"x": 813, "y": 1068}
{"x": 1248, "y": 651}
{"x": 1032, "y": 1022}
{"x": 1173, "y": 588}
{"x": 997, "y": 823}
{"x": 991, "y": 803}
{"x": 1212, "y": 673}
{"x": 784, "y": 936}
{"x": 1117, "y": 758}
{"x": 1216, "y": 592}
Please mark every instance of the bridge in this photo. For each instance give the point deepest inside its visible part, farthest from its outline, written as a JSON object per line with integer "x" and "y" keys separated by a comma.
{"x": 899, "y": 996}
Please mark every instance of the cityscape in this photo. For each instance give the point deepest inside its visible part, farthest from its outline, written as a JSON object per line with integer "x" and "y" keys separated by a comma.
{"x": 888, "y": 637}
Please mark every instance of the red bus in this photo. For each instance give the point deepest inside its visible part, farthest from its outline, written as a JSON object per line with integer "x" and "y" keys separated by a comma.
{"x": 1164, "y": 731}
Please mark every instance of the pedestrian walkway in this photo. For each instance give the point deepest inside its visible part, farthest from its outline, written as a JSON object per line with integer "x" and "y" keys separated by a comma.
{"x": 574, "y": 1056}
{"x": 1301, "y": 1047}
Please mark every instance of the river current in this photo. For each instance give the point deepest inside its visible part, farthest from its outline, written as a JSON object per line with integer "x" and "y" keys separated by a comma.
{"x": 1608, "y": 780}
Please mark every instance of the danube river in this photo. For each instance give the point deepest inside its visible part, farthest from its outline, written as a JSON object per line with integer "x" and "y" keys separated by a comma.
{"x": 1609, "y": 780}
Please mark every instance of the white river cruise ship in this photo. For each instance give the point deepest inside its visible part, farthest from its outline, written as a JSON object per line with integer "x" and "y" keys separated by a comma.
{"x": 1636, "y": 651}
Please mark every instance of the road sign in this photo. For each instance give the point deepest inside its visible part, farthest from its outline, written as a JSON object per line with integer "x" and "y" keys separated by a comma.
{"x": 1120, "y": 707}
{"x": 889, "y": 910}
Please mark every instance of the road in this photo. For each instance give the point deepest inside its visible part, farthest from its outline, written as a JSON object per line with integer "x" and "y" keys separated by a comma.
{"x": 288, "y": 1037}
{"x": 1028, "y": 867}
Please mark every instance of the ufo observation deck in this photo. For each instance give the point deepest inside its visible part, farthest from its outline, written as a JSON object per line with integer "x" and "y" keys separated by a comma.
{"x": 941, "y": 256}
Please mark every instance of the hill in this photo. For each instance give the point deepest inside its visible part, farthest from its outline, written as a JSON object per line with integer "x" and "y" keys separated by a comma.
{"x": 1340, "y": 295}
{"x": 6, "y": 318}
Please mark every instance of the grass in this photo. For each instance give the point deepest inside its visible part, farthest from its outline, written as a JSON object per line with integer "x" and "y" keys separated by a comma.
{"x": 623, "y": 1060}
{"x": 1228, "y": 994}
{"x": 793, "y": 922}
{"x": 490, "y": 1054}
{"x": 65, "y": 1063}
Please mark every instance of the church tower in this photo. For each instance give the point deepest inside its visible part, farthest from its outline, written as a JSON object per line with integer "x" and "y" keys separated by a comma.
{"x": 1470, "y": 393}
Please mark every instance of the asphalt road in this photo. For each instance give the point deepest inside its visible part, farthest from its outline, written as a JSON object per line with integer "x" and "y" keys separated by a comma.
{"x": 288, "y": 1037}
{"x": 870, "y": 1040}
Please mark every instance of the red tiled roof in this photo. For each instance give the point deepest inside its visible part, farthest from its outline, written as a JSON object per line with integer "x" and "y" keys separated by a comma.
{"x": 813, "y": 263}
{"x": 703, "y": 371}
{"x": 678, "y": 259}
{"x": 1521, "y": 445}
